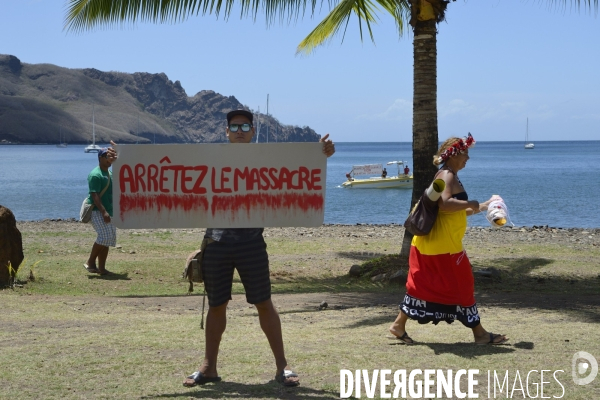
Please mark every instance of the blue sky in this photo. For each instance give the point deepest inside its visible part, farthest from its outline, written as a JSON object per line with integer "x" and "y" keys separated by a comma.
{"x": 499, "y": 62}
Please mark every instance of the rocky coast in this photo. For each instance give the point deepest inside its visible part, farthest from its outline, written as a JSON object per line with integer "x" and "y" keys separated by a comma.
{"x": 568, "y": 237}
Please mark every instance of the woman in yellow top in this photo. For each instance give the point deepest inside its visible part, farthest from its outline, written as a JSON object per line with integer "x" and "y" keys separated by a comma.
{"x": 440, "y": 284}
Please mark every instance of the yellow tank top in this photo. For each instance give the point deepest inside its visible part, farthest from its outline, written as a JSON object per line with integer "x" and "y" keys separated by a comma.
{"x": 446, "y": 235}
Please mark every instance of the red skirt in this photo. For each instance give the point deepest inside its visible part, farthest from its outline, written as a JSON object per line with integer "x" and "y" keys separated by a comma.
{"x": 442, "y": 278}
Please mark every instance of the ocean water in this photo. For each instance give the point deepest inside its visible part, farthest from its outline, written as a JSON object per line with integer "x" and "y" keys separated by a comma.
{"x": 555, "y": 184}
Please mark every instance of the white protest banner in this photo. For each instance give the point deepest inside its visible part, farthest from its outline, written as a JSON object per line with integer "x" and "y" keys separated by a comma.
{"x": 367, "y": 169}
{"x": 232, "y": 185}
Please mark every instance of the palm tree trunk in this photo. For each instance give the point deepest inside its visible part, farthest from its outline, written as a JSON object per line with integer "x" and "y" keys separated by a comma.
{"x": 425, "y": 128}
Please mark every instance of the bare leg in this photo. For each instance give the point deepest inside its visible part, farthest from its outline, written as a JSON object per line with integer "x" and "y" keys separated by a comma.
{"x": 271, "y": 326}
{"x": 96, "y": 250}
{"x": 216, "y": 321}
{"x": 398, "y": 328}
{"x": 483, "y": 337}
{"x": 102, "y": 256}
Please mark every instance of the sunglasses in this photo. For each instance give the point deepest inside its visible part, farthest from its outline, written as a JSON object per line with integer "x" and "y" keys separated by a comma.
{"x": 235, "y": 127}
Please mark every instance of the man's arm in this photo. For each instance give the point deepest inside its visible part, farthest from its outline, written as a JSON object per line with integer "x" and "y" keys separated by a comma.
{"x": 98, "y": 203}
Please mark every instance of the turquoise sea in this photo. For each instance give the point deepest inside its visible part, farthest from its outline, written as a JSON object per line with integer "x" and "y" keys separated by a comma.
{"x": 555, "y": 184}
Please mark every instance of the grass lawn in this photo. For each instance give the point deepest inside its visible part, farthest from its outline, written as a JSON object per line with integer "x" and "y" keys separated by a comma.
{"x": 136, "y": 334}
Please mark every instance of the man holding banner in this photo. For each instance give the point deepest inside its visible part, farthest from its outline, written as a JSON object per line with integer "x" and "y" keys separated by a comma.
{"x": 245, "y": 250}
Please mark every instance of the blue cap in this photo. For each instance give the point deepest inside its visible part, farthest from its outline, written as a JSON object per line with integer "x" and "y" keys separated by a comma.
{"x": 102, "y": 152}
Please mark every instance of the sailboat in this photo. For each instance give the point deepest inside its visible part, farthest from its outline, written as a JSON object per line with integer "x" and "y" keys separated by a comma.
{"x": 258, "y": 124}
{"x": 267, "y": 118}
{"x": 528, "y": 144}
{"x": 93, "y": 148}
{"x": 61, "y": 144}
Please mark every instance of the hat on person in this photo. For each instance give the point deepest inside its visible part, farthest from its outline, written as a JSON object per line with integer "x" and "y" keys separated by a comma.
{"x": 245, "y": 113}
{"x": 103, "y": 151}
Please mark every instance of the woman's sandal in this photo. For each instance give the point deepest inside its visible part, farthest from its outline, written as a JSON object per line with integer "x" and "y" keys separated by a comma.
{"x": 493, "y": 337}
{"x": 199, "y": 378}
{"x": 90, "y": 269}
{"x": 284, "y": 375}
{"x": 405, "y": 339}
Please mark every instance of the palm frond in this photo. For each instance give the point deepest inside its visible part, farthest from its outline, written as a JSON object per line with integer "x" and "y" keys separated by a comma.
{"x": 365, "y": 10}
{"x": 588, "y": 5}
{"x": 89, "y": 14}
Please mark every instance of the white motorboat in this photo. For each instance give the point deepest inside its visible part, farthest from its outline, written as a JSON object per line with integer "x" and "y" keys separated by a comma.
{"x": 383, "y": 181}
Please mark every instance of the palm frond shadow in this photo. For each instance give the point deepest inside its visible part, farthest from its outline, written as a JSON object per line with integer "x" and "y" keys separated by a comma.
{"x": 519, "y": 274}
{"x": 518, "y": 266}
{"x": 234, "y": 390}
{"x": 371, "y": 321}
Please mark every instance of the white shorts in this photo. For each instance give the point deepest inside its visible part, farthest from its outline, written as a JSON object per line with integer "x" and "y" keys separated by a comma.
{"x": 107, "y": 233}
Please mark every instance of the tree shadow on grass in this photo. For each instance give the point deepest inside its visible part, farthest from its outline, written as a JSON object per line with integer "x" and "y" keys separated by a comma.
{"x": 515, "y": 287}
{"x": 233, "y": 390}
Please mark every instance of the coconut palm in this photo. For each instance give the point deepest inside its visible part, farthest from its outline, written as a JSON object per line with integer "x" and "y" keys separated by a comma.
{"x": 422, "y": 15}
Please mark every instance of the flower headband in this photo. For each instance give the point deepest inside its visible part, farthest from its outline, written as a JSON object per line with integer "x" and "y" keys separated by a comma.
{"x": 458, "y": 147}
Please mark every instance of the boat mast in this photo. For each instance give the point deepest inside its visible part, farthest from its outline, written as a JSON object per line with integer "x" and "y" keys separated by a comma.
{"x": 258, "y": 124}
{"x": 93, "y": 127}
{"x": 267, "y": 118}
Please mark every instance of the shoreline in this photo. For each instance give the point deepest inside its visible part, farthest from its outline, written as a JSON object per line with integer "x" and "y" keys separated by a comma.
{"x": 358, "y": 225}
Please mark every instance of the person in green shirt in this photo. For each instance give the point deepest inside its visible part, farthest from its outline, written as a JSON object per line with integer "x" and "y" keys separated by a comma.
{"x": 100, "y": 195}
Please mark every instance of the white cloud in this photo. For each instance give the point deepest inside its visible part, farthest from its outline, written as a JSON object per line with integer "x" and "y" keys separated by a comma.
{"x": 400, "y": 110}
{"x": 584, "y": 117}
{"x": 456, "y": 106}
{"x": 514, "y": 106}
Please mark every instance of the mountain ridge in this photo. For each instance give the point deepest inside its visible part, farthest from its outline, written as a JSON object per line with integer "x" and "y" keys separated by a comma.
{"x": 39, "y": 101}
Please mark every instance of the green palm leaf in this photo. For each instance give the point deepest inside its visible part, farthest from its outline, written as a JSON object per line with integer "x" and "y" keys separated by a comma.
{"x": 365, "y": 10}
{"x": 89, "y": 14}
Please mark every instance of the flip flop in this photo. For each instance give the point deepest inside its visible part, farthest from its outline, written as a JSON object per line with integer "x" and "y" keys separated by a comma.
{"x": 493, "y": 337}
{"x": 284, "y": 375}
{"x": 404, "y": 338}
{"x": 200, "y": 379}
{"x": 89, "y": 269}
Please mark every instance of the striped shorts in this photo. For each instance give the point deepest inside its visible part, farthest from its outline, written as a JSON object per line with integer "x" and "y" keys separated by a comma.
{"x": 252, "y": 263}
{"x": 107, "y": 233}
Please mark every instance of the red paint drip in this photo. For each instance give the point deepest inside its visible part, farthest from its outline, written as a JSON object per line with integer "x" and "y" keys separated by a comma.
{"x": 140, "y": 202}
{"x": 259, "y": 201}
